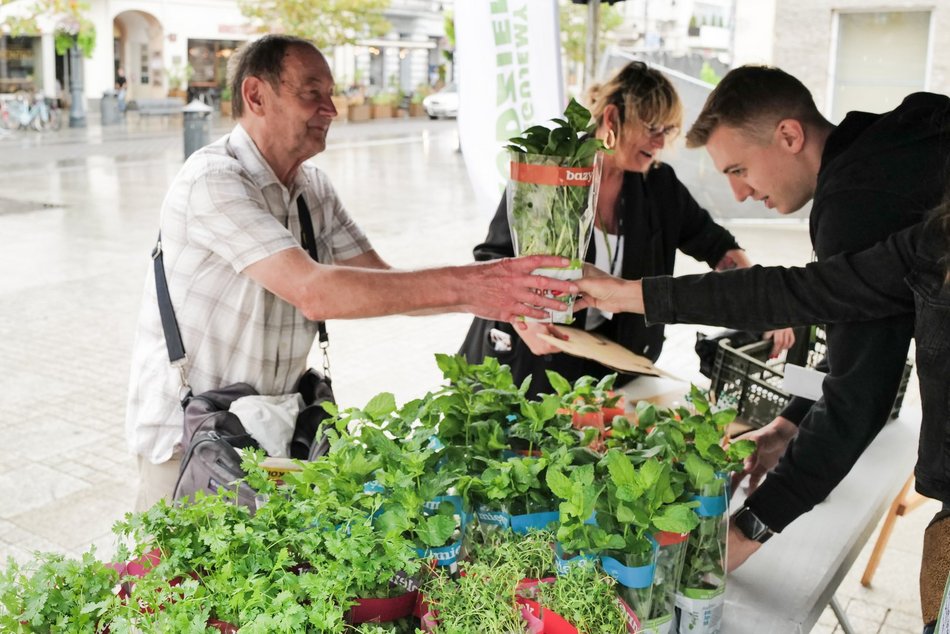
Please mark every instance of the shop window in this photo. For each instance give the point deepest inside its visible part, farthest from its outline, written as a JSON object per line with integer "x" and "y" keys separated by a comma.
{"x": 209, "y": 62}
{"x": 19, "y": 63}
{"x": 143, "y": 64}
{"x": 880, "y": 58}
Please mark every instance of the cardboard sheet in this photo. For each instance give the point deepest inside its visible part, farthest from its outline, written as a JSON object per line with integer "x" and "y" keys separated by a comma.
{"x": 581, "y": 343}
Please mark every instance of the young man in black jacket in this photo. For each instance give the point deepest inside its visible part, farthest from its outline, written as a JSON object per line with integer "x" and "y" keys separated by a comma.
{"x": 869, "y": 177}
{"x": 908, "y": 274}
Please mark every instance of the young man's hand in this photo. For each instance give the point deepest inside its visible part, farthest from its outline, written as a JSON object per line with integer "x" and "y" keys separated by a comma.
{"x": 771, "y": 441}
{"x": 610, "y": 294}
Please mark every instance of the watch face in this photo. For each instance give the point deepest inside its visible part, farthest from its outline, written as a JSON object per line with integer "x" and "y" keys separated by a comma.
{"x": 751, "y": 526}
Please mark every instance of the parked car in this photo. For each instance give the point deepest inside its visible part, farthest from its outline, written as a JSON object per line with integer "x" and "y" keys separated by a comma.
{"x": 444, "y": 103}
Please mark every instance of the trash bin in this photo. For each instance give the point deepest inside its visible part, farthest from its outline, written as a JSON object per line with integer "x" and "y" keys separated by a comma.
{"x": 109, "y": 108}
{"x": 197, "y": 126}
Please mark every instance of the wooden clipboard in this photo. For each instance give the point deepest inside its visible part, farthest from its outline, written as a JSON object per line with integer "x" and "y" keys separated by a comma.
{"x": 588, "y": 345}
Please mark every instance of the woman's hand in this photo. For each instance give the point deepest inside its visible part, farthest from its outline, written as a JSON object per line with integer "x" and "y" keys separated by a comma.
{"x": 734, "y": 259}
{"x": 781, "y": 340}
{"x": 592, "y": 271}
{"x": 529, "y": 331}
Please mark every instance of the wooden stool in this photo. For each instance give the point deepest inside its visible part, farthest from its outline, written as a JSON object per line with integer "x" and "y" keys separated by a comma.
{"x": 905, "y": 502}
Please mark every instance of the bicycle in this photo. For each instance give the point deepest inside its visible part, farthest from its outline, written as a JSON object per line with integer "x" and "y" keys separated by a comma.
{"x": 26, "y": 111}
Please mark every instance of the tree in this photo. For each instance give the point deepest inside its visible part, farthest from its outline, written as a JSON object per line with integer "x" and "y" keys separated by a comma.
{"x": 327, "y": 23}
{"x": 708, "y": 74}
{"x": 574, "y": 28}
{"x": 449, "y": 25}
{"x": 69, "y": 24}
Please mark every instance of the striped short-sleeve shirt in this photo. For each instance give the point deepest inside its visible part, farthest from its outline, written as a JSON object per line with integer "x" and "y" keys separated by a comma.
{"x": 225, "y": 211}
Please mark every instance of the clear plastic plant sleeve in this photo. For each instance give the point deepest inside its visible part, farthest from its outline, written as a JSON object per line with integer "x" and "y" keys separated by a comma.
{"x": 670, "y": 557}
{"x": 702, "y": 591}
{"x": 551, "y": 207}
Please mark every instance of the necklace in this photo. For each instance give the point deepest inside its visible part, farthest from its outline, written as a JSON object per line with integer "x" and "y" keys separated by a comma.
{"x": 612, "y": 257}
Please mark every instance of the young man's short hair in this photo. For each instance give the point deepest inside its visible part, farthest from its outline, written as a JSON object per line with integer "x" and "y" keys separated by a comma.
{"x": 754, "y": 99}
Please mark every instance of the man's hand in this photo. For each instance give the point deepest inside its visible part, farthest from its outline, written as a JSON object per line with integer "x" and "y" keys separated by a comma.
{"x": 610, "y": 294}
{"x": 771, "y": 441}
{"x": 504, "y": 290}
{"x": 781, "y": 340}
{"x": 738, "y": 548}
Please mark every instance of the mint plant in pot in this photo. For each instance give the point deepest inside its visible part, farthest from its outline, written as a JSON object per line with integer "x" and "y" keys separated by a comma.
{"x": 642, "y": 504}
{"x": 512, "y": 494}
{"x": 708, "y": 463}
{"x": 552, "y": 193}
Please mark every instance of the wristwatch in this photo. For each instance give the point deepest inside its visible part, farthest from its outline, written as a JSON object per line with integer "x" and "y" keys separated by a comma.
{"x": 751, "y": 526}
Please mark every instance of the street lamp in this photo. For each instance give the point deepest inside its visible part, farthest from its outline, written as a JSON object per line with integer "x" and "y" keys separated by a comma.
{"x": 77, "y": 110}
{"x": 70, "y": 28}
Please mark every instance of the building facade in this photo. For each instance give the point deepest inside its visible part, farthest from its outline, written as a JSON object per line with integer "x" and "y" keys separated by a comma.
{"x": 163, "y": 46}
{"x": 862, "y": 54}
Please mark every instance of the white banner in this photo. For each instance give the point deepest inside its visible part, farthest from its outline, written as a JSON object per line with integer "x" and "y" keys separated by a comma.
{"x": 508, "y": 60}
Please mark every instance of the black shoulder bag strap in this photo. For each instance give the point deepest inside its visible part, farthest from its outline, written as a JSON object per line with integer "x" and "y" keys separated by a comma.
{"x": 309, "y": 242}
{"x": 176, "y": 349}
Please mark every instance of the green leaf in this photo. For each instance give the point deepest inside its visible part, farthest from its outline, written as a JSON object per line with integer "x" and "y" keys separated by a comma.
{"x": 621, "y": 469}
{"x": 700, "y": 472}
{"x": 705, "y": 438}
{"x": 578, "y": 116}
{"x": 561, "y": 385}
{"x": 559, "y": 483}
{"x": 741, "y": 449}
{"x": 723, "y": 418}
{"x": 676, "y": 518}
{"x": 584, "y": 475}
{"x": 381, "y": 406}
{"x": 435, "y": 530}
{"x": 625, "y": 514}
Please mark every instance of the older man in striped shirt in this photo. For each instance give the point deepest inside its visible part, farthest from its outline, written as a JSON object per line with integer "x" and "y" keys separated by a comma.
{"x": 247, "y": 297}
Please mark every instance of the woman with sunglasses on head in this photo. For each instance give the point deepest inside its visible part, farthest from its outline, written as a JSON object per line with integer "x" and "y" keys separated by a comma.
{"x": 644, "y": 216}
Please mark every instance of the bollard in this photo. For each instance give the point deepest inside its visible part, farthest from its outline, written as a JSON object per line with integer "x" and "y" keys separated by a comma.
{"x": 109, "y": 108}
{"x": 197, "y": 126}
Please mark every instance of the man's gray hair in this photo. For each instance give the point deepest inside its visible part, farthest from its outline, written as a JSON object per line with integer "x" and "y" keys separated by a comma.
{"x": 262, "y": 58}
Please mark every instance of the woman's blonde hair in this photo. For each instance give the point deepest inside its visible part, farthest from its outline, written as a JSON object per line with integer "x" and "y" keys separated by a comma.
{"x": 641, "y": 94}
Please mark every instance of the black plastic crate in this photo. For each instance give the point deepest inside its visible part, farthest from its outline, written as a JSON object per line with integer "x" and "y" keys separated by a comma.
{"x": 744, "y": 378}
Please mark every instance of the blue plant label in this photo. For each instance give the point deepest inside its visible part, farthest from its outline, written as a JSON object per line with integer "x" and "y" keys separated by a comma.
{"x": 564, "y": 566}
{"x": 493, "y": 518}
{"x": 628, "y": 576}
{"x": 373, "y": 487}
{"x": 443, "y": 555}
{"x": 711, "y": 505}
{"x": 433, "y": 504}
{"x": 521, "y": 524}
